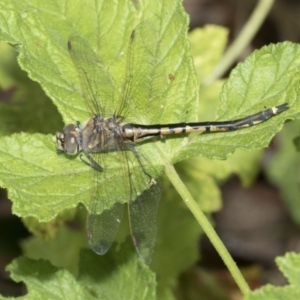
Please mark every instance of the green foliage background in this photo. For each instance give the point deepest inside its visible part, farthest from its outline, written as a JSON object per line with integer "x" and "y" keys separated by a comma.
{"x": 42, "y": 185}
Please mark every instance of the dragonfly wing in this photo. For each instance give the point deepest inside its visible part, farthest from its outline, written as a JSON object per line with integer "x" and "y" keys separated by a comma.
{"x": 108, "y": 187}
{"x": 97, "y": 86}
{"x": 146, "y": 193}
{"x": 142, "y": 215}
{"x": 102, "y": 228}
{"x": 146, "y": 80}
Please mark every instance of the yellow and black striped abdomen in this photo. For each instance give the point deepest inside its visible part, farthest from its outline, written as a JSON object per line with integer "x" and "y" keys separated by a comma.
{"x": 137, "y": 132}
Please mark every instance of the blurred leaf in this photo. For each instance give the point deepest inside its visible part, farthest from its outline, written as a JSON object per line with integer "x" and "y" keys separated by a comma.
{"x": 207, "y": 46}
{"x": 289, "y": 265}
{"x": 23, "y": 104}
{"x": 62, "y": 251}
{"x": 48, "y": 230}
{"x": 209, "y": 100}
{"x": 197, "y": 281}
{"x": 201, "y": 182}
{"x": 177, "y": 240}
{"x": 297, "y": 143}
{"x": 284, "y": 169}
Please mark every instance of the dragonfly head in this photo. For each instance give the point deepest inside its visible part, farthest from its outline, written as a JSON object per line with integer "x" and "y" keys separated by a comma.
{"x": 66, "y": 140}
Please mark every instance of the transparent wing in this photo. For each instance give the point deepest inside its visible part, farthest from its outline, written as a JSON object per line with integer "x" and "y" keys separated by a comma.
{"x": 142, "y": 216}
{"x": 134, "y": 182}
{"x": 145, "y": 84}
{"x": 111, "y": 189}
{"x": 142, "y": 209}
{"x": 108, "y": 187}
{"x": 146, "y": 80}
{"x": 97, "y": 86}
{"x": 102, "y": 228}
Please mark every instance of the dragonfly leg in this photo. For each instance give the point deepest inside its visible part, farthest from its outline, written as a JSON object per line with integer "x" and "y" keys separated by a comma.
{"x": 91, "y": 162}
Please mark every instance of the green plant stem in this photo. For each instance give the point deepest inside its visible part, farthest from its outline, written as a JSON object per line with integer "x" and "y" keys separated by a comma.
{"x": 244, "y": 38}
{"x": 207, "y": 227}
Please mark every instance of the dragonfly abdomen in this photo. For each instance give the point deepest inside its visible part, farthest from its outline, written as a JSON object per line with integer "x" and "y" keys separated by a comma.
{"x": 137, "y": 132}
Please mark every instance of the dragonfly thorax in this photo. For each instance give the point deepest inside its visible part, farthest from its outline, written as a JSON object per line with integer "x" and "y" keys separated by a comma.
{"x": 101, "y": 134}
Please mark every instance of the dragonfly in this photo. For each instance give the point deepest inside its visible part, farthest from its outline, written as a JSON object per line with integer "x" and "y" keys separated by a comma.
{"x": 108, "y": 141}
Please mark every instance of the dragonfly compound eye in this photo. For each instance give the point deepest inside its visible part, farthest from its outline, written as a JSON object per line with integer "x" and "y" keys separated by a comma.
{"x": 67, "y": 140}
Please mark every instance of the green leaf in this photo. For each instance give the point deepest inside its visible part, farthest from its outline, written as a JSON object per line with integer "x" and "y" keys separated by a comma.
{"x": 289, "y": 266}
{"x": 45, "y": 57}
{"x": 41, "y": 183}
{"x": 119, "y": 275}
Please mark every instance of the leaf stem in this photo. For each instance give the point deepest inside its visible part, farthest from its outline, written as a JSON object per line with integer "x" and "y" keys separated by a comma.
{"x": 207, "y": 227}
{"x": 244, "y": 38}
